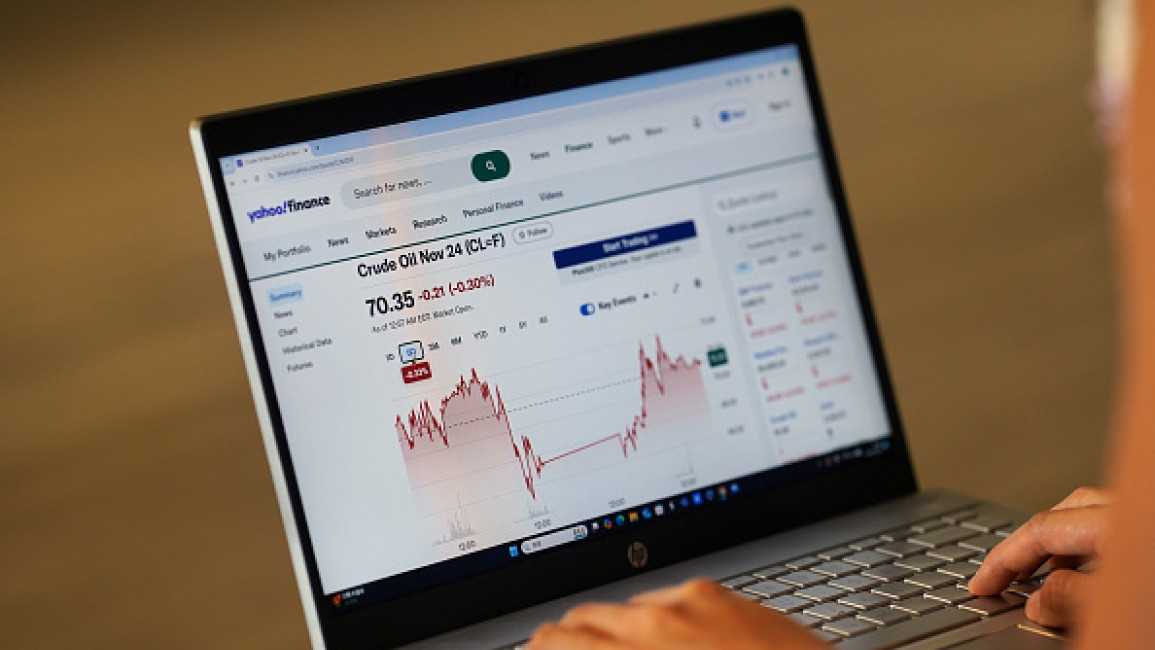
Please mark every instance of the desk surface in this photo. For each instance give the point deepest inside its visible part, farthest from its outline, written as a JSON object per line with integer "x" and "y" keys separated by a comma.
{"x": 134, "y": 495}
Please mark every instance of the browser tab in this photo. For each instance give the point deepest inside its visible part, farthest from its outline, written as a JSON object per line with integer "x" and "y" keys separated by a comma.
{"x": 258, "y": 159}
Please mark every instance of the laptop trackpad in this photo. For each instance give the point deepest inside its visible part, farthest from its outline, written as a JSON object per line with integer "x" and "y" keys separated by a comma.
{"x": 1012, "y": 638}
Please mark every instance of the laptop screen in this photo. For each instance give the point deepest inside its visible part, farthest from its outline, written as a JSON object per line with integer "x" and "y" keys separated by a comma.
{"x": 498, "y": 332}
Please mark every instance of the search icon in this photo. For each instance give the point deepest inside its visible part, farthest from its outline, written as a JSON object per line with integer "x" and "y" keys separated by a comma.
{"x": 490, "y": 166}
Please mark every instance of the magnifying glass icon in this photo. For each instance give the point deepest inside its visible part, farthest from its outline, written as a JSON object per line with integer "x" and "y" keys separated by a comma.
{"x": 490, "y": 165}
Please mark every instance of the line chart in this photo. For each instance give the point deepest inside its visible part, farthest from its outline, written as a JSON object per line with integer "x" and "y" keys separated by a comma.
{"x": 468, "y": 437}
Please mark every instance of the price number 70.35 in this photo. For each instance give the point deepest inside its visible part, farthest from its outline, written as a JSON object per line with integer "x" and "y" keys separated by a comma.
{"x": 382, "y": 305}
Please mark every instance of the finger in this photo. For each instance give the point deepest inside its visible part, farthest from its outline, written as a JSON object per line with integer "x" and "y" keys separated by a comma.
{"x": 1060, "y": 600}
{"x": 1057, "y": 562}
{"x": 1069, "y": 532}
{"x": 1072, "y": 531}
{"x": 1067, "y": 561}
{"x": 553, "y": 636}
{"x": 689, "y": 591}
{"x": 658, "y": 596}
{"x": 601, "y": 617}
{"x": 1085, "y": 496}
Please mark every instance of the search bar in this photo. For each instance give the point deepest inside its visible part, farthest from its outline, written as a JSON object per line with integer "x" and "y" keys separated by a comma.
{"x": 407, "y": 183}
{"x": 558, "y": 538}
{"x": 779, "y": 191}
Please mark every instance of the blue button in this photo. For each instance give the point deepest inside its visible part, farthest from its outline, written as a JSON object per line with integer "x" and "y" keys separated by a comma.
{"x": 624, "y": 244}
{"x": 588, "y": 309}
{"x": 733, "y": 115}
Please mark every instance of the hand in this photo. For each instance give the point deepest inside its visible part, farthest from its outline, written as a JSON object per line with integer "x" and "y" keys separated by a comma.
{"x": 1067, "y": 536}
{"x": 698, "y": 614}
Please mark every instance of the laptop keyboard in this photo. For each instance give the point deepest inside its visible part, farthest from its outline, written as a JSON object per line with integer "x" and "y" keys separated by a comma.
{"x": 896, "y": 587}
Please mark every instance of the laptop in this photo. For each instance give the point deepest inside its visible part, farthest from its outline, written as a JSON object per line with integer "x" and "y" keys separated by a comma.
{"x": 573, "y": 326}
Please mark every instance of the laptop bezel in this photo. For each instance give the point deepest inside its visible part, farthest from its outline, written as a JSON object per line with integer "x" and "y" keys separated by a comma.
{"x": 595, "y": 561}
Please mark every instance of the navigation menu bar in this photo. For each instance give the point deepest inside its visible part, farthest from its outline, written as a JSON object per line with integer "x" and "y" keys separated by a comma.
{"x": 512, "y": 204}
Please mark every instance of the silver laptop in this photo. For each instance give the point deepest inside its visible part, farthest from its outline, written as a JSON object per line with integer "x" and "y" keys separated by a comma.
{"x": 575, "y": 326}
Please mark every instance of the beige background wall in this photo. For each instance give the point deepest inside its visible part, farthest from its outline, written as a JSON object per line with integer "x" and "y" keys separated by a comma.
{"x": 135, "y": 504}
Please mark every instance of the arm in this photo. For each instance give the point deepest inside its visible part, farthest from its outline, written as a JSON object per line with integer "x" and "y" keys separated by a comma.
{"x": 698, "y": 615}
{"x": 1114, "y": 606}
{"x": 1123, "y": 597}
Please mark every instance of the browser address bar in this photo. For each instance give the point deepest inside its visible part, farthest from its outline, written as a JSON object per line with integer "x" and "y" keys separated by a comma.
{"x": 316, "y": 167}
{"x": 405, "y": 182}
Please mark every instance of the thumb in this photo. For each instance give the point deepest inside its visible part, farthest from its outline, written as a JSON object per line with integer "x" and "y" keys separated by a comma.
{"x": 1060, "y": 600}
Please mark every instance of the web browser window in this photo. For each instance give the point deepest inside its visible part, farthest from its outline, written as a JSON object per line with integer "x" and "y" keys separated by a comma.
{"x": 496, "y": 332}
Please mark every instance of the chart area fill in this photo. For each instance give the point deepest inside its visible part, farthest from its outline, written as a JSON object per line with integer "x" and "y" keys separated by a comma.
{"x": 465, "y": 453}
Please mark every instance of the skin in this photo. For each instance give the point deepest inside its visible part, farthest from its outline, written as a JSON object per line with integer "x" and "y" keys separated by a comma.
{"x": 1066, "y": 536}
{"x": 701, "y": 615}
{"x": 1122, "y": 599}
{"x": 705, "y": 616}
{"x": 698, "y": 614}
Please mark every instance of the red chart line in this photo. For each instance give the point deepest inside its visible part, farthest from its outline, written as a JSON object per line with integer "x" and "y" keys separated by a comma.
{"x": 423, "y": 424}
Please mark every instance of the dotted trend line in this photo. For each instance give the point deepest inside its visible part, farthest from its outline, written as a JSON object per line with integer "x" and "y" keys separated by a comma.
{"x": 551, "y": 400}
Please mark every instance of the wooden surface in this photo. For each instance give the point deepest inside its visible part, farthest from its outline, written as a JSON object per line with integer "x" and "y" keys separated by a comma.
{"x": 136, "y": 508}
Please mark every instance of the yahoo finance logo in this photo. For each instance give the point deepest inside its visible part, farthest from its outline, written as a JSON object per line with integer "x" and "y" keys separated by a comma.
{"x": 289, "y": 205}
